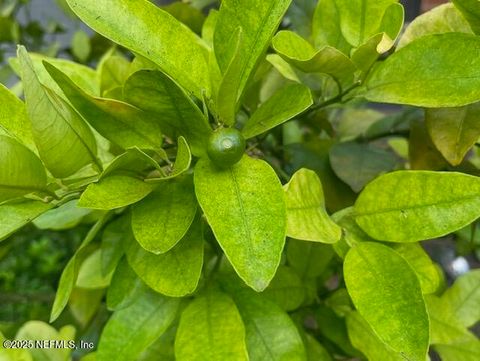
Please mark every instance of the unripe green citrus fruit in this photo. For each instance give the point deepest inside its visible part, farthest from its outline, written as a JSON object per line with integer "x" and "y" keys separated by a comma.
{"x": 226, "y": 147}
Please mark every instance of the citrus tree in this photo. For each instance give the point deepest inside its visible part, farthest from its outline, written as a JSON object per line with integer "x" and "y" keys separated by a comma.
{"x": 247, "y": 200}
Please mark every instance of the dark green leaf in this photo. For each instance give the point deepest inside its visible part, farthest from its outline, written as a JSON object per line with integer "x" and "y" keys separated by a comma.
{"x": 358, "y": 163}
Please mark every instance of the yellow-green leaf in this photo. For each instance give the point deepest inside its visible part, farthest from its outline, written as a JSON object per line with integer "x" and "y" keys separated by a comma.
{"x": 307, "y": 218}
{"x": 21, "y": 172}
{"x": 409, "y": 206}
{"x": 161, "y": 219}
{"x": 387, "y": 294}
{"x": 150, "y": 32}
{"x": 246, "y": 210}
{"x": 439, "y": 70}
{"x": 211, "y": 329}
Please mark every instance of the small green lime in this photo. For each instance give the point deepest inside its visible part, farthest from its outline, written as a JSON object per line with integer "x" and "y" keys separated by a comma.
{"x": 226, "y": 147}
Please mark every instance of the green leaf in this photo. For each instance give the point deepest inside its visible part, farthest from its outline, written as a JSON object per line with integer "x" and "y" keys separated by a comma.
{"x": 409, "y": 206}
{"x": 328, "y": 60}
{"x": 368, "y": 53}
{"x": 14, "y": 216}
{"x": 70, "y": 272}
{"x": 119, "y": 122}
{"x": 188, "y": 14}
{"x": 441, "y": 19}
{"x": 286, "y": 289}
{"x": 309, "y": 259}
{"x": 471, "y": 11}
{"x": 132, "y": 160}
{"x": 392, "y": 21}
{"x": 466, "y": 350}
{"x": 422, "y": 153}
{"x": 315, "y": 350}
{"x": 13, "y": 118}
{"x": 364, "y": 339}
{"x": 64, "y": 141}
{"x": 421, "y": 263}
{"x": 113, "y": 73}
{"x": 81, "y": 46}
{"x": 113, "y": 192}
{"x": 283, "y": 105}
{"x": 307, "y": 218}
{"x": 211, "y": 329}
{"x": 81, "y": 75}
{"x": 445, "y": 327}
{"x": 158, "y": 95}
{"x": 21, "y": 172}
{"x": 90, "y": 275}
{"x": 333, "y": 328}
{"x": 66, "y": 216}
{"x": 152, "y": 33}
{"x": 352, "y": 233}
{"x": 111, "y": 247}
{"x": 131, "y": 330}
{"x": 162, "y": 272}
{"x": 84, "y": 304}
{"x": 259, "y": 21}
{"x": 437, "y": 70}
{"x": 226, "y": 100}
{"x": 365, "y": 55}
{"x": 315, "y": 155}
{"x": 182, "y": 163}
{"x": 124, "y": 288}
{"x": 246, "y": 211}
{"x": 359, "y": 163}
{"x": 326, "y": 28}
{"x": 454, "y": 130}
{"x": 387, "y": 293}
{"x": 160, "y": 220}
{"x": 270, "y": 333}
{"x": 464, "y": 298}
{"x": 360, "y": 19}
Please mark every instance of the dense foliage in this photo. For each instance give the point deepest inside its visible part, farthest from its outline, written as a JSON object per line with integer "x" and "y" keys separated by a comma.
{"x": 245, "y": 196}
